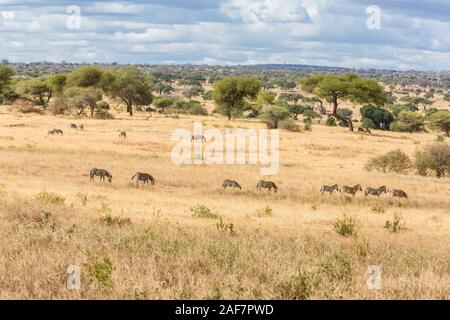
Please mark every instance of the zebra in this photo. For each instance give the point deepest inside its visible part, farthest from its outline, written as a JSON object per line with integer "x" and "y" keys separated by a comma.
{"x": 73, "y": 126}
{"x": 398, "y": 193}
{"x": 350, "y": 190}
{"x": 144, "y": 177}
{"x": 56, "y": 131}
{"x": 329, "y": 189}
{"x": 364, "y": 130}
{"x": 102, "y": 173}
{"x": 198, "y": 138}
{"x": 122, "y": 134}
{"x": 81, "y": 127}
{"x": 375, "y": 192}
{"x": 231, "y": 184}
{"x": 267, "y": 185}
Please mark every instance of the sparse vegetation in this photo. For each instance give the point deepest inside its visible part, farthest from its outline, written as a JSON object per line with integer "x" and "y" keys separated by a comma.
{"x": 393, "y": 161}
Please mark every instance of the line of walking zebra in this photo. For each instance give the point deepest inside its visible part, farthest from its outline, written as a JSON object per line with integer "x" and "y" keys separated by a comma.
{"x": 147, "y": 178}
{"x": 369, "y": 191}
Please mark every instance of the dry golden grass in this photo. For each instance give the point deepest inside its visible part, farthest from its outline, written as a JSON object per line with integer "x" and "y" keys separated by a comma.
{"x": 288, "y": 252}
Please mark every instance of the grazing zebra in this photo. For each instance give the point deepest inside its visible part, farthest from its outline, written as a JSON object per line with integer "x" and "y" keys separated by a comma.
{"x": 122, "y": 134}
{"x": 73, "y": 126}
{"x": 231, "y": 184}
{"x": 375, "y": 192}
{"x": 350, "y": 190}
{"x": 198, "y": 138}
{"x": 100, "y": 173}
{"x": 362, "y": 130}
{"x": 267, "y": 185}
{"x": 81, "y": 127}
{"x": 56, "y": 131}
{"x": 144, "y": 177}
{"x": 398, "y": 193}
{"x": 329, "y": 189}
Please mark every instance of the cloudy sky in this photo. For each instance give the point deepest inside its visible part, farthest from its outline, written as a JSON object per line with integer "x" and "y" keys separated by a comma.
{"x": 408, "y": 34}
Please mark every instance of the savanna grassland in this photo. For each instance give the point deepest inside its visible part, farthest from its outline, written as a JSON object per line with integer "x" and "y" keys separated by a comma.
{"x": 167, "y": 242}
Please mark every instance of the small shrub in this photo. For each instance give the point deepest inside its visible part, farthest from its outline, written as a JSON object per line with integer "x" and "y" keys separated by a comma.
{"x": 435, "y": 158}
{"x": 50, "y": 198}
{"x": 99, "y": 270}
{"x": 290, "y": 125}
{"x": 396, "y": 225}
{"x": 345, "y": 226}
{"x": 296, "y": 288}
{"x": 225, "y": 228}
{"x": 393, "y": 161}
{"x": 202, "y": 211}
{"x": 331, "y": 122}
{"x": 103, "y": 115}
{"x": 307, "y": 127}
{"x": 378, "y": 208}
{"x": 83, "y": 197}
{"x": 440, "y": 138}
{"x": 103, "y": 105}
{"x": 110, "y": 221}
{"x": 265, "y": 212}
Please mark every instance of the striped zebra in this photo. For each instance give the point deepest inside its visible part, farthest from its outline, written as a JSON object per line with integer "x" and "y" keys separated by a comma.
{"x": 231, "y": 184}
{"x": 102, "y": 173}
{"x": 329, "y": 189}
{"x": 398, "y": 193}
{"x": 267, "y": 185}
{"x": 56, "y": 131}
{"x": 73, "y": 126}
{"x": 375, "y": 192}
{"x": 81, "y": 127}
{"x": 144, "y": 177}
{"x": 350, "y": 190}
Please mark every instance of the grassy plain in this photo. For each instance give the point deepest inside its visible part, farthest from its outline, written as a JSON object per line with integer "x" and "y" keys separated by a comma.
{"x": 144, "y": 243}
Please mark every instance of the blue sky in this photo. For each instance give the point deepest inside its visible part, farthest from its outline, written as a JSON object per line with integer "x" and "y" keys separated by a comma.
{"x": 412, "y": 34}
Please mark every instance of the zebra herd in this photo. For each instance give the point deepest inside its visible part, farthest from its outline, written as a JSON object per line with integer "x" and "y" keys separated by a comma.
{"x": 367, "y": 192}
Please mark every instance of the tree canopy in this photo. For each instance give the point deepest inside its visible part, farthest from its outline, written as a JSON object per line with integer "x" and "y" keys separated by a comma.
{"x": 347, "y": 86}
{"x": 230, "y": 94}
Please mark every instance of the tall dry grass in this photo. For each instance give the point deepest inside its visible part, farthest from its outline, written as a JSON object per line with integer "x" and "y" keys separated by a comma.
{"x": 146, "y": 243}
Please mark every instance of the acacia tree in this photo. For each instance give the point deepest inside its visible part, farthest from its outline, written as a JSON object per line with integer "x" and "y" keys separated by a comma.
{"x": 6, "y": 74}
{"x": 37, "y": 90}
{"x": 130, "y": 85}
{"x": 347, "y": 86}
{"x": 82, "y": 98}
{"x": 230, "y": 94}
{"x": 441, "y": 120}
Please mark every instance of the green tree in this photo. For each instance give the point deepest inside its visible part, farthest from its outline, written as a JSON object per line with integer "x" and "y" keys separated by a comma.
{"x": 441, "y": 120}
{"x": 130, "y": 85}
{"x": 380, "y": 117}
{"x": 230, "y": 94}
{"x": 348, "y": 86}
{"x": 408, "y": 121}
{"x": 84, "y": 77}
{"x": 6, "y": 74}
{"x": 273, "y": 115}
{"x": 82, "y": 98}
{"x": 296, "y": 110}
{"x": 37, "y": 89}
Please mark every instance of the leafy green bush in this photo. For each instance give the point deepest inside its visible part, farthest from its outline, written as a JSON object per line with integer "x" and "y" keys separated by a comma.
{"x": 345, "y": 226}
{"x": 331, "y": 122}
{"x": 395, "y": 225}
{"x": 435, "y": 158}
{"x": 99, "y": 270}
{"x": 103, "y": 105}
{"x": 202, "y": 211}
{"x": 393, "y": 161}
{"x": 273, "y": 115}
{"x": 290, "y": 125}
{"x": 408, "y": 121}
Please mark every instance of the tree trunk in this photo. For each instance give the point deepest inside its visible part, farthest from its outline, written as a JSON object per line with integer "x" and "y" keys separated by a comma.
{"x": 338, "y": 117}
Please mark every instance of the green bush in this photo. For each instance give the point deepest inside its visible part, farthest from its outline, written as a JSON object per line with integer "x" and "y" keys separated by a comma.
{"x": 99, "y": 270}
{"x": 331, "y": 122}
{"x": 408, "y": 121}
{"x": 202, "y": 211}
{"x": 103, "y": 105}
{"x": 393, "y": 161}
{"x": 197, "y": 110}
{"x": 345, "y": 226}
{"x": 290, "y": 125}
{"x": 395, "y": 225}
{"x": 435, "y": 159}
{"x": 273, "y": 115}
